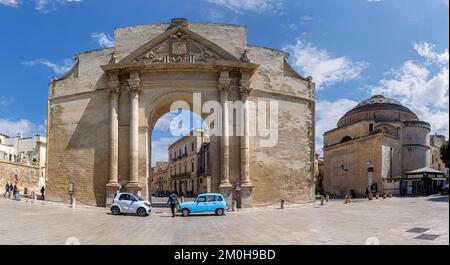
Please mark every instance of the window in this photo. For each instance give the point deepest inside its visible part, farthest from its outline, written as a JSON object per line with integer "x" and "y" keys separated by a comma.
{"x": 211, "y": 198}
{"x": 201, "y": 181}
{"x": 219, "y": 198}
{"x": 192, "y": 147}
{"x": 370, "y": 127}
{"x": 192, "y": 167}
{"x": 127, "y": 197}
{"x": 185, "y": 150}
{"x": 201, "y": 199}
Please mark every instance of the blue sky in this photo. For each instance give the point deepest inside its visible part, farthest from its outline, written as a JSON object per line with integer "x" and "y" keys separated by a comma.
{"x": 352, "y": 48}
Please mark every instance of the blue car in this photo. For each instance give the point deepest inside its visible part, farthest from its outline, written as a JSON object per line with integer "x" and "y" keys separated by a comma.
{"x": 205, "y": 203}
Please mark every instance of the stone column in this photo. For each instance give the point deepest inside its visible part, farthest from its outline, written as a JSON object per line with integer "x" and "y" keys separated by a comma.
{"x": 246, "y": 186}
{"x": 112, "y": 186}
{"x": 225, "y": 186}
{"x": 134, "y": 84}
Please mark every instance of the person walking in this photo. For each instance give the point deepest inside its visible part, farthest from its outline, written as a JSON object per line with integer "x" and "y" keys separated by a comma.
{"x": 11, "y": 190}
{"x": 42, "y": 193}
{"x": 15, "y": 192}
{"x": 6, "y": 189}
{"x": 173, "y": 201}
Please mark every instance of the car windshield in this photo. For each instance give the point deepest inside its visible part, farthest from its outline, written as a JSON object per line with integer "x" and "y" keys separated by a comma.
{"x": 138, "y": 197}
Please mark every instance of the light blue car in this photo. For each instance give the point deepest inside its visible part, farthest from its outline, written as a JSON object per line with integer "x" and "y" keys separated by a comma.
{"x": 205, "y": 203}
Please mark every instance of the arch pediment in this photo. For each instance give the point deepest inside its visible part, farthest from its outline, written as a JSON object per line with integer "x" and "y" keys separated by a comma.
{"x": 179, "y": 45}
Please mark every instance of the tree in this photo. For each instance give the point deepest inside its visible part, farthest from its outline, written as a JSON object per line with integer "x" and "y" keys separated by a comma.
{"x": 445, "y": 154}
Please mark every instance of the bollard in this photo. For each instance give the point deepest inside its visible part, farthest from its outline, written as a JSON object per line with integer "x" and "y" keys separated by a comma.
{"x": 73, "y": 202}
{"x": 33, "y": 196}
{"x": 234, "y": 205}
{"x": 327, "y": 198}
{"x": 322, "y": 200}
{"x": 282, "y": 204}
{"x": 377, "y": 195}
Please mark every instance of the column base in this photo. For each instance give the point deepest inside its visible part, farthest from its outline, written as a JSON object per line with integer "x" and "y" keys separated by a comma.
{"x": 246, "y": 196}
{"x": 227, "y": 192}
{"x": 134, "y": 188}
{"x": 111, "y": 189}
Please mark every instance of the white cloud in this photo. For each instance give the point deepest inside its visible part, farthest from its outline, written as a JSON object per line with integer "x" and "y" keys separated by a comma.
{"x": 426, "y": 50}
{"x": 257, "y": 6}
{"x": 11, "y": 3}
{"x": 103, "y": 39}
{"x": 49, "y": 5}
{"x": 160, "y": 147}
{"x": 416, "y": 86}
{"x": 328, "y": 113}
{"x": 319, "y": 64}
{"x": 42, "y": 5}
{"x": 57, "y": 69}
{"x": 12, "y": 128}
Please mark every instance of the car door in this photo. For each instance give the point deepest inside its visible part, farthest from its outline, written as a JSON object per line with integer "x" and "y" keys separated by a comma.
{"x": 212, "y": 203}
{"x": 201, "y": 204}
{"x": 123, "y": 202}
{"x": 134, "y": 204}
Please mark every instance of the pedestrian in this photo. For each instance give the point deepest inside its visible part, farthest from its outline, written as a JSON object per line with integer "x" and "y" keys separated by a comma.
{"x": 6, "y": 189}
{"x": 367, "y": 193}
{"x": 42, "y": 193}
{"x": 173, "y": 201}
{"x": 15, "y": 192}
{"x": 11, "y": 190}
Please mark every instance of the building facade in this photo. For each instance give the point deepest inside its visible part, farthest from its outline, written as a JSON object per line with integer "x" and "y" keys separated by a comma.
{"x": 160, "y": 178}
{"x": 374, "y": 145}
{"x": 188, "y": 168}
{"x": 436, "y": 142}
{"x": 101, "y": 114}
{"x": 23, "y": 160}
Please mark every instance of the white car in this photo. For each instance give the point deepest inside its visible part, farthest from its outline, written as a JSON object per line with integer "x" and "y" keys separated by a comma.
{"x": 125, "y": 202}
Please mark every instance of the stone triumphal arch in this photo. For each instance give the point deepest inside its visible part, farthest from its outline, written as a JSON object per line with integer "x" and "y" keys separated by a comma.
{"x": 101, "y": 113}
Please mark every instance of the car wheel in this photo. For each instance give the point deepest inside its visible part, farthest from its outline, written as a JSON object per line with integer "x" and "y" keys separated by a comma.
{"x": 115, "y": 210}
{"x": 141, "y": 212}
{"x": 185, "y": 212}
{"x": 219, "y": 212}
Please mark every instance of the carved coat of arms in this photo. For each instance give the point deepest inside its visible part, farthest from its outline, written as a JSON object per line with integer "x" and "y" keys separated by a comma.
{"x": 179, "y": 48}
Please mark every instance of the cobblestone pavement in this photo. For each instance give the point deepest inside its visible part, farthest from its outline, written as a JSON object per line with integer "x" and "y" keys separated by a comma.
{"x": 380, "y": 221}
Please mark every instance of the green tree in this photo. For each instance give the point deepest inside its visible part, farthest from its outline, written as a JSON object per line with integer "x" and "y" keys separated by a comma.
{"x": 445, "y": 154}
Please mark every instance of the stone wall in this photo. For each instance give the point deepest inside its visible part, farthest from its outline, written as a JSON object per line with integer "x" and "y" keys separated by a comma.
{"x": 346, "y": 165}
{"x": 78, "y": 147}
{"x": 28, "y": 176}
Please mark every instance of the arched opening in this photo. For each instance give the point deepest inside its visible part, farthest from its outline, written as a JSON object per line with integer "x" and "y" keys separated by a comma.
{"x": 346, "y": 139}
{"x": 178, "y": 144}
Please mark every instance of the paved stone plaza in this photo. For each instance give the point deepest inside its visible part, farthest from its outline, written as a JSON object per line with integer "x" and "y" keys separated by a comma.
{"x": 387, "y": 221}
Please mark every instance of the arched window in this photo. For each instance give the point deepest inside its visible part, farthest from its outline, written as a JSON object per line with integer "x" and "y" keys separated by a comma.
{"x": 346, "y": 139}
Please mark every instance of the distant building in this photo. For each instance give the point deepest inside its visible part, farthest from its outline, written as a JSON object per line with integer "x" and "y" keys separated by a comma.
{"x": 160, "y": 177}
{"x": 436, "y": 142}
{"x": 23, "y": 160}
{"x": 318, "y": 174}
{"x": 188, "y": 164}
{"x": 382, "y": 136}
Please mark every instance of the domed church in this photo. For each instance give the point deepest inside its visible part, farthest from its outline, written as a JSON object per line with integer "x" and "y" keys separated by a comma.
{"x": 375, "y": 145}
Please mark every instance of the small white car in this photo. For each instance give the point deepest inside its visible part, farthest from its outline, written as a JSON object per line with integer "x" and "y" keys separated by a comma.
{"x": 125, "y": 202}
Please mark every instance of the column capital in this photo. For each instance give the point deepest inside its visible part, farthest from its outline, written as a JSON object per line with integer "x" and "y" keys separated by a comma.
{"x": 134, "y": 82}
{"x": 224, "y": 82}
{"x": 114, "y": 82}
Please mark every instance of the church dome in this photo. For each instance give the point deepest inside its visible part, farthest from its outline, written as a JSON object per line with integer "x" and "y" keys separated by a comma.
{"x": 378, "y": 108}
